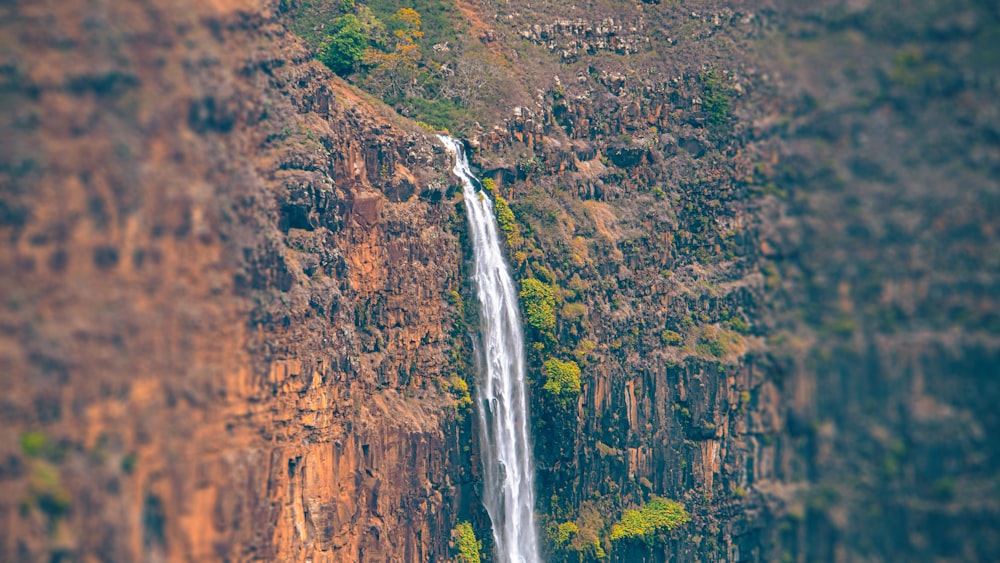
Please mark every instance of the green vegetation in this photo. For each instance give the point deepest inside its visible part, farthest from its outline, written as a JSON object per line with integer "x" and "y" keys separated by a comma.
{"x": 47, "y": 491}
{"x": 45, "y": 488}
{"x": 658, "y": 514}
{"x": 36, "y": 444}
{"x": 410, "y": 54}
{"x": 460, "y": 392}
{"x": 709, "y": 345}
{"x": 507, "y": 222}
{"x": 562, "y": 380}
{"x": 539, "y": 301}
{"x": 345, "y": 45}
{"x": 715, "y": 99}
{"x": 670, "y": 338}
{"x": 466, "y": 543}
{"x": 579, "y": 539}
{"x": 561, "y": 534}
{"x": 128, "y": 463}
{"x": 738, "y": 325}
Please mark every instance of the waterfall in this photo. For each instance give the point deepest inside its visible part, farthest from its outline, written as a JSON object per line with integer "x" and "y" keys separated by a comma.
{"x": 501, "y": 399}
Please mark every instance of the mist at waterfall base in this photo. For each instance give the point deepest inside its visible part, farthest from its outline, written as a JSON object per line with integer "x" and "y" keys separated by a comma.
{"x": 501, "y": 400}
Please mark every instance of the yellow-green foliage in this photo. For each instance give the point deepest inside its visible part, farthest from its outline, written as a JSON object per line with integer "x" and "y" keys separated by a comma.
{"x": 539, "y": 303}
{"x": 466, "y": 543}
{"x": 562, "y": 380}
{"x": 580, "y": 539}
{"x": 490, "y": 186}
{"x": 46, "y": 490}
{"x": 565, "y": 532}
{"x": 658, "y": 514}
{"x": 460, "y": 392}
{"x": 34, "y": 443}
{"x": 670, "y": 337}
{"x": 597, "y": 549}
{"x": 507, "y": 222}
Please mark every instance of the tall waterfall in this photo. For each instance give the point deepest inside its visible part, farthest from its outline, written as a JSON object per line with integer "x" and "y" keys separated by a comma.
{"x": 501, "y": 399}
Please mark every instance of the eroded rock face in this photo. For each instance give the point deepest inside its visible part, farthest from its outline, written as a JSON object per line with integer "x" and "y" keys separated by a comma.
{"x": 223, "y": 319}
{"x": 222, "y": 278}
{"x": 783, "y": 306}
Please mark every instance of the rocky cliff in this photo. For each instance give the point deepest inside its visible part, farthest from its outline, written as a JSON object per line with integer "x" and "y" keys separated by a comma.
{"x": 767, "y": 229}
{"x": 225, "y": 331}
{"x": 235, "y": 323}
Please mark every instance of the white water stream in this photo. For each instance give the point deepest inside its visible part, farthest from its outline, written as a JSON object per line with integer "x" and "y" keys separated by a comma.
{"x": 501, "y": 400}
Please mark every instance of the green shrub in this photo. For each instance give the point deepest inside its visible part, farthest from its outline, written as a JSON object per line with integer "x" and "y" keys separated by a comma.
{"x": 739, "y": 325}
{"x": 506, "y": 221}
{"x": 670, "y": 338}
{"x": 539, "y": 301}
{"x": 34, "y": 443}
{"x": 562, "y": 380}
{"x": 345, "y": 45}
{"x": 128, "y": 463}
{"x": 708, "y": 345}
{"x": 490, "y": 186}
{"x": 460, "y": 392}
{"x": 658, "y": 514}
{"x": 466, "y": 543}
{"x": 565, "y": 532}
{"x": 46, "y": 489}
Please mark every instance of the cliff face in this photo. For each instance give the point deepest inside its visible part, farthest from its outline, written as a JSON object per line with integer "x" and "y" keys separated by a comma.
{"x": 234, "y": 323}
{"x": 767, "y": 227}
{"x": 224, "y": 326}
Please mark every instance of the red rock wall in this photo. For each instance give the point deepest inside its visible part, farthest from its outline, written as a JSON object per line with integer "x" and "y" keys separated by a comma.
{"x": 223, "y": 322}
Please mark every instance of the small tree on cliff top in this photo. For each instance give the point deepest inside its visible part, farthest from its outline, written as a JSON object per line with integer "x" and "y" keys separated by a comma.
{"x": 345, "y": 45}
{"x": 395, "y": 73}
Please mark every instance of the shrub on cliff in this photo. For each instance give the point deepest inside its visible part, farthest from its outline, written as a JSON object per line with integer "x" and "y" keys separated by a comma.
{"x": 565, "y": 531}
{"x": 539, "y": 301}
{"x": 670, "y": 338}
{"x": 658, "y": 514}
{"x": 460, "y": 392}
{"x": 466, "y": 543}
{"x": 507, "y": 222}
{"x": 345, "y": 45}
{"x": 562, "y": 380}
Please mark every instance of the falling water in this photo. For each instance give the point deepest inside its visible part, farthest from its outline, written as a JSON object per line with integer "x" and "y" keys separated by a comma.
{"x": 509, "y": 493}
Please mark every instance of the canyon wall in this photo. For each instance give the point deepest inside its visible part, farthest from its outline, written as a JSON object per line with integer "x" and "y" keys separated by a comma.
{"x": 225, "y": 332}
{"x": 767, "y": 227}
{"x": 236, "y": 318}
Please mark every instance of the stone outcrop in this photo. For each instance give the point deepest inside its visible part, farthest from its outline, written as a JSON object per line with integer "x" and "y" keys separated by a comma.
{"x": 571, "y": 38}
